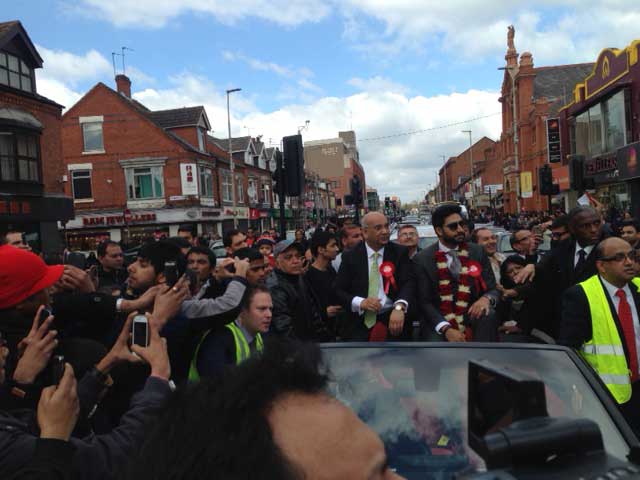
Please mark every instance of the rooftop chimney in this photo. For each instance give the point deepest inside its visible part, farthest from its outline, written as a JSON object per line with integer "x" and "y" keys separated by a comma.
{"x": 123, "y": 85}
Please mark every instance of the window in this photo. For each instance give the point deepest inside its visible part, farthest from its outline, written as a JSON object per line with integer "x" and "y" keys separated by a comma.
{"x": 265, "y": 192}
{"x": 239, "y": 189}
{"x": 602, "y": 128}
{"x": 19, "y": 157}
{"x": 15, "y": 73}
{"x": 92, "y": 136}
{"x": 144, "y": 183}
{"x": 200, "y": 140}
{"x": 262, "y": 162}
{"x": 227, "y": 195}
{"x": 81, "y": 184}
{"x": 252, "y": 190}
{"x": 206, "y": 182}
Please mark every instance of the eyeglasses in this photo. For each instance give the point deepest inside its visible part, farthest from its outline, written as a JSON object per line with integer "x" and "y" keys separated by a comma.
{"x": 621, "y": 256}
{"x": 556, "y": 235}
{"x": 407, "y": 234}
{"x": 455, "y": 225}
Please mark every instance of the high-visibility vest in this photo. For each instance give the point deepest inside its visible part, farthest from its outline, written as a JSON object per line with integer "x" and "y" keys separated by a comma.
{"x": 243, "y": 351}
{"x": 605, "y": 352}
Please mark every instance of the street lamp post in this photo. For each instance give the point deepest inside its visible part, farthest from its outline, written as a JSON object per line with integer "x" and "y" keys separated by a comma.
{"x": 513, "y": 72}
{"x": 471, "y": 164}
{"x": 231, "y": 165}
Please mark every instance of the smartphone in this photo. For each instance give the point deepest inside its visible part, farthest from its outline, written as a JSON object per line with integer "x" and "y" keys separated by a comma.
{"x": 192, "y": 276}
{"x": 44, "y": 314}
{"x": 57, "y": 369}
{"x": 170, "y": 273}
{"x": 140, "y": 331}
{"x": 76, "y": 259}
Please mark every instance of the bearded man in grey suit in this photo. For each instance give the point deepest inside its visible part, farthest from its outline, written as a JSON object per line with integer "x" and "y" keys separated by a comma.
{"x": 455, "y": 286}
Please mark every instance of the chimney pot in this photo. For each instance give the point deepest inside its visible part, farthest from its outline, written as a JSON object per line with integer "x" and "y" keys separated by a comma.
{"x": 123, "y": 85}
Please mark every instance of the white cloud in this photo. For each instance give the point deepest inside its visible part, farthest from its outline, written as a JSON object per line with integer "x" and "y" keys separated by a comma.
{"x": 377, "y": 84}
{"x": 71, "y": 68}
{"x": 157, "y": 13}
{"x": 58, "y": 91}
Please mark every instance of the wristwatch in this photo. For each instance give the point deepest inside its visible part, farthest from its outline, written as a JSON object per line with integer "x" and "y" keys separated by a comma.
{"x": 492, "y": 300}
{"x": 399, "y": 307}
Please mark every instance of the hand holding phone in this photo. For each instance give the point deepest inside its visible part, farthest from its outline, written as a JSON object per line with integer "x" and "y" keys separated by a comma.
{"x": 57, "y": 369}
{"x": 170, "y": 273}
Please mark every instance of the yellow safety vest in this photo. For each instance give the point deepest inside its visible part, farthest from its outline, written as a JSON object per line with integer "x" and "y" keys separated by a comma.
{"x": 605, "y": 352}
{"x": 243, "y": 352}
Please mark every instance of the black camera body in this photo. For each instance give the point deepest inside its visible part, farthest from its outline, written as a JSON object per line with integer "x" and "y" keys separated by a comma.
{"x": 509, "y": 427}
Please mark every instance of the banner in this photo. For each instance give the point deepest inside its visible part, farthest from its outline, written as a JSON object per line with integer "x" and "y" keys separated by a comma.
{"x": 526, "y": 185}
{"x": 189, "y": 178}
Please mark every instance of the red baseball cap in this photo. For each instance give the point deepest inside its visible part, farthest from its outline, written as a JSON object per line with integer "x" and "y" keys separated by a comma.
{"x": 23, "y": 274}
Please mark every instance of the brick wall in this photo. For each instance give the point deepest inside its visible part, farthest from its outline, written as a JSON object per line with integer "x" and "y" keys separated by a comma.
{"x": 127, "y": 134}
{"x": 50, "y": 141}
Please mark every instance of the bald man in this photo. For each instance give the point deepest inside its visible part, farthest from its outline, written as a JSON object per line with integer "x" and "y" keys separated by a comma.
{"x": 600, "y": 318}
{"x": 375, "y": 283}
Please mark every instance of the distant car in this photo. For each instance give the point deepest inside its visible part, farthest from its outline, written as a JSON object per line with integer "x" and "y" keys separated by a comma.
{"x": 426, "y": 236}
{"x": 416, "y": 396}
{"x": 217, "y": 247}
{"x": 411, "y": 219}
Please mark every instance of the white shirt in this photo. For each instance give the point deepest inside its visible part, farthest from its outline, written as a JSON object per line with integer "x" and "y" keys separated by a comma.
{"x": 336, "y": 262}
{"x": 384, "y": 300}
{"x": 587, "y": 251}
{"x": 611, "y": 290}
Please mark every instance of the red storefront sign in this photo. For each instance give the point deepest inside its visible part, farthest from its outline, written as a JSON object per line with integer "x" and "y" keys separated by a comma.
{"x": 14, "y": 207}
{"x": 254, "y": 214}
{"x": 119, "y": 219}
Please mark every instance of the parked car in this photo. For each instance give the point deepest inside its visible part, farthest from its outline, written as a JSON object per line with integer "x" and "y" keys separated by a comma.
{"x": 426, "y": 236}
{"x": 416, "y": 397}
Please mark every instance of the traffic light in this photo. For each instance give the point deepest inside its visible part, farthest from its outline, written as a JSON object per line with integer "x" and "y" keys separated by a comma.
{"x": 545, "y": 180}
{"x": 356, "y": 190}
{"x": 576, "y": 174}
{"x": 293, "y": 164}
{"x": 279, "y": 177}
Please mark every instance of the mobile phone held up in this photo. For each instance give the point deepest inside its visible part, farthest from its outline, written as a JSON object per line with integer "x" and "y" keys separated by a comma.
{"x": 140, "y": 331}
{"x": 57, "y": 369}
{"x": 44, "y": 314}
{"x": 170, "y": 273}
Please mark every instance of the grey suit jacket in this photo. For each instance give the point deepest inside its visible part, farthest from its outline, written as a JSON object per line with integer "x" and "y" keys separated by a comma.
{"x": 426, "y": 271}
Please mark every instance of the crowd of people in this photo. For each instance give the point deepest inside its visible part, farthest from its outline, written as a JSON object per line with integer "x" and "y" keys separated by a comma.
{"x": 90, "y": 355}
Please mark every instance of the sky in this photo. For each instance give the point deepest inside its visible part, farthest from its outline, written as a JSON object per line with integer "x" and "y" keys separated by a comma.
{"x": 406, "y": 75}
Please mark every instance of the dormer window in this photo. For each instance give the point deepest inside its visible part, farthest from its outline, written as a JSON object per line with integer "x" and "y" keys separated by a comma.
{"x": 15, "y": 73}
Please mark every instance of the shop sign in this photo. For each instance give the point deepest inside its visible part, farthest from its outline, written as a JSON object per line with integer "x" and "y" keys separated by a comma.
{"x": 627, "y": 160}
{"x": 603, "y": 169}
{"x": 15, "y": 207}
{"x": 264, "y": 214}
{"x": 526, "y": 185}
{"x": 211, "y": 213}
{"x": 118, "y": 219}
{"x": 492, "y": 188}
{"x": 189, "y": 178}
{"x": 254, "y": 214}
{"x": 553, "y": 140}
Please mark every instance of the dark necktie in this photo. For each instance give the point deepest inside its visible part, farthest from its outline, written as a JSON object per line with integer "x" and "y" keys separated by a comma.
{"x": 626, "y": 322}
{"x": 455, "y": 266}
{"x": 582, "y": 259}
{"x": 252, "y": 346}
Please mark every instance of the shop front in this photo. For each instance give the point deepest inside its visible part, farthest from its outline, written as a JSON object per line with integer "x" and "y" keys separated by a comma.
{"x": 602, "y": 125}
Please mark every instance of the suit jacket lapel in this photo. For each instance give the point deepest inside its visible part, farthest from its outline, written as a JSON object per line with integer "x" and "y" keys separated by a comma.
{"x": 432, "y": 268}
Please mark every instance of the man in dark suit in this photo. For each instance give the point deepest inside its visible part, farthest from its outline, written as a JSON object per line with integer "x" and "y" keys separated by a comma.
{"x": 569, "y": 263}
{"x": 452, "y": 249}
{"x": 360, "y": 285}
{"x": 600, "y": 315}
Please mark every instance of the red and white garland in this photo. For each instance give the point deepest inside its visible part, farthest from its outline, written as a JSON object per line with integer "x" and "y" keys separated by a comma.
{"x": 453, "y": 309}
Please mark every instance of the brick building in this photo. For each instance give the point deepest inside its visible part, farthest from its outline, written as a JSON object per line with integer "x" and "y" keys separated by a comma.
{"x": 337, "y": 160}
{"x": 537, "y": 93}
{"x": 32, "y": 196}
{"x": 135, "y": 173}
{"x": 602, "y": 124}
{"x": 455, "y": 180}
{"x": 254, "y": 187}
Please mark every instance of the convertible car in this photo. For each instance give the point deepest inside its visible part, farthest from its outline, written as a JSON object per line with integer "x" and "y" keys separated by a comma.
{"x": 417, "y": 397}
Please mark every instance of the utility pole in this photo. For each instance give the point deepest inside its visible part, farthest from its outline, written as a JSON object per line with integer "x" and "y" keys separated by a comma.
{"x": 471, "y": 172}
{"x": 231, "y": 165}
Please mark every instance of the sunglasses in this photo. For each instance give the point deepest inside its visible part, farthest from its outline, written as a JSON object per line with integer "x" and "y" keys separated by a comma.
{"x": 621, "y": 256}
{"x": 455, "y": 225}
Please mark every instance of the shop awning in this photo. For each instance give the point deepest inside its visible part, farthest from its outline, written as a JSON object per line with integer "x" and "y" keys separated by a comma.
{"x": 19, "y": 118}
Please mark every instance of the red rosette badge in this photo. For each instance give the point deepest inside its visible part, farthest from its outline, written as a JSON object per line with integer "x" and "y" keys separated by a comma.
{"x": 387, "y": 269}
{"x": 475, "y": 271}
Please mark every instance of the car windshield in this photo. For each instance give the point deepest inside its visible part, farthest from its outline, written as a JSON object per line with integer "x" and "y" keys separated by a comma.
{"x": 416, "y": 399}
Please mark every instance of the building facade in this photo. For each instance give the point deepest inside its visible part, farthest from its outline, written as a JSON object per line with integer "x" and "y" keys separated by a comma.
{"x": 337, "y": 160}
{"x": 530, "y": 97}
{"x": 134, "y": 173}
{"x": 373, "y": 200}
{"x": 602, "y": 125}
{"x": 32, "y": 174}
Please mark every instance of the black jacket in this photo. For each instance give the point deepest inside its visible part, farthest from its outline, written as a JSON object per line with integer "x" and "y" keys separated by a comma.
{"x": 52, "y": 460}
{"x": 97, "y": 456}
{"x": 353, "y": 276}
{"x": 554, "y": 275}
{"x": 576, "y": 325}
{"x": 427, "y": 281}
{"x": 296, "y": 309}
